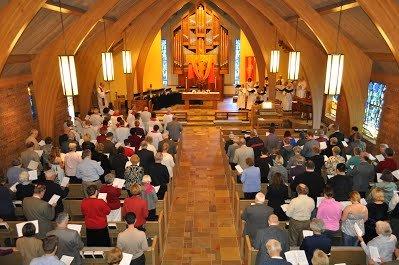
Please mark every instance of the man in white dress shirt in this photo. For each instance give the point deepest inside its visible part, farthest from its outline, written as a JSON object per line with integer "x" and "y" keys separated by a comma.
{"x": 145, "y": 118}
{"x": 167, "y": 117}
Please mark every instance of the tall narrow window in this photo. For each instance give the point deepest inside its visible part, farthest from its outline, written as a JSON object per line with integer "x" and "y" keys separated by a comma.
{"x": 32, "y": 103}
{"x": 164, "y": 63}
{"x": 237, "y": 62}
{"x": 372, "y": 116}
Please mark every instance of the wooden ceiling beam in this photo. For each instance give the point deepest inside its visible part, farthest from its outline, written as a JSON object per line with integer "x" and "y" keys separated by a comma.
{"x": 334, "y": 8}
{"x": 381, "y": 56}
{"x": 20, "y": 58}
{"x": 68, "y": 9}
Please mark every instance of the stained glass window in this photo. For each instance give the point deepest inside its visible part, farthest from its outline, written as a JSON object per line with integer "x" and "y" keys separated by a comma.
{"x": 237, "y": 62}
{"x": 32, "y": 103}
{"x": 164, "y": 63}
{"x": 375, "y": 101}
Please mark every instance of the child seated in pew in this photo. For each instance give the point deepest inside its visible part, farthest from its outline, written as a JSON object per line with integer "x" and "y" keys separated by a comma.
{"x": 149, "y": 194}
{"x": 113, "y": 200}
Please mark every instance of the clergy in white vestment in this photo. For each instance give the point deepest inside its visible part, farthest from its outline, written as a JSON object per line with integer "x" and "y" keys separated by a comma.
{"x": 145, "y": 118}
{"x": 102, "y": 96}
{"x": 287, "y": 97}
{"x": 301, "y": 88}
{"x": 242, "y": 96}
{"x": 279, "y": 87}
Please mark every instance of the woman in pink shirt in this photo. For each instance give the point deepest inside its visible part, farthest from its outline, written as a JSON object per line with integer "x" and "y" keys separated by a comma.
{"x": 330, "y": 212}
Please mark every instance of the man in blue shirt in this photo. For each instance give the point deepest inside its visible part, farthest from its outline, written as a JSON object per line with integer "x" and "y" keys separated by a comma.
{"x": 89, "y": 171}
{"x": 49, "y": 258}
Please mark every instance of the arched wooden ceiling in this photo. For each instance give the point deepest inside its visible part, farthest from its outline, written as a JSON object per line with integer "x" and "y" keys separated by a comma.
{"x": 319, "y": 15}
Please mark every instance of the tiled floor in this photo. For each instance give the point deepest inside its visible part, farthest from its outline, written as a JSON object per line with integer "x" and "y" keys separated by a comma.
{"x": 201, "y": 228}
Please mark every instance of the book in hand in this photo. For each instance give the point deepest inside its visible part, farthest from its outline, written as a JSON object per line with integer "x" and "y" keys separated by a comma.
{"x": 345, "y": 144}
{"x": 13, "y": 188}
{"x": 33, "y": 165}
{"x": 296, "y": 257}
{"x": 64, "y": 181}
{"x": 348, "y": 157}
{"x": 118, "y": 183}
{"x": 66, "y": 259}
{"x": 42, "y": 143}
{"x": 157, "y": 188}
{"x": 112, "y": 225}
{"x": 307, "y": 233}
{"x": 32, "y": 175}
{"x": 325, "y": 158}
{"x": 39, "y": 152}
{"x": 20, "y": 225}
{"x": 396, "y": 174}
{"x": 284, "y": 207}
{"x": 379, "y": 175}
{"x": 380, "y": 157}
{"x": 374, "y": 254}
{"x": 319, "y": 200}
{"x": 358, "y": 231}
{"x": 323, "y": 145}
{"x": 54, "y": 199}
{"x": 239, "y": 169}
{"x": 371, "y": 157}
{"x": 77, "y": 228}
{"x": 102, "y": 196}
{"x": 126, "y": 259}
{"x": 128, "y": 164}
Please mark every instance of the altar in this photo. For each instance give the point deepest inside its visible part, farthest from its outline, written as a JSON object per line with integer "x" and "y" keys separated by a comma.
{"x": 214, "y": 97}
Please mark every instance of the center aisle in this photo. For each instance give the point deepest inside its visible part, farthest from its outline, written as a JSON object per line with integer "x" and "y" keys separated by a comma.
{"x": 201, "y": 227}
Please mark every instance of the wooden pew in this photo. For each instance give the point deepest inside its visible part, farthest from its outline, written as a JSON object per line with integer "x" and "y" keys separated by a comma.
{"x": 153, "y": 228}
{"x": 348, "y": 255}
{"x": 152, "y": 255}
{"x": 76, "y": 192}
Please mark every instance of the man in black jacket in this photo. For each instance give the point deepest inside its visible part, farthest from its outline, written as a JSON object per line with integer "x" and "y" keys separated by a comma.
{"x": 53, "y": 188}
{"x": 313, "y": 180}
{"x": 159, "y": 176}
{"x": 341, "y": 183}
{"x": 146, "y": 157}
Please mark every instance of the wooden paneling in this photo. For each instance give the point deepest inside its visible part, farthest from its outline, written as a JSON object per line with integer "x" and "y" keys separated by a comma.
{"x": 356, "y": 75}
{"x": 14, "y": 18}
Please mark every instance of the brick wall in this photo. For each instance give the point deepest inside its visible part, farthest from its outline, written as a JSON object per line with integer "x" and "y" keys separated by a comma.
{"x": 15, "y": 123}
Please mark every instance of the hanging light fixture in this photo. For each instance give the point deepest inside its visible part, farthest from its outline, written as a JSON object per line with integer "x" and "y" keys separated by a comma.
{"x": 126, "y": 58}
{"x": 67, "y": 67}
{"x": 294, "y": 59}
{"x": 107, "y": 61}
{"x": 275, "y": 58}
{"x": 335, "y": 67}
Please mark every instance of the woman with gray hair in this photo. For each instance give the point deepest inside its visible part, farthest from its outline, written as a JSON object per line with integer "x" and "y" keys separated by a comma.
{"x": 293, "y": 159}
{"x": 385, "y": 242}
{"x": 315, "y": 241}
{"x": 24, "y": 187}
{"x": 278, "y": 167}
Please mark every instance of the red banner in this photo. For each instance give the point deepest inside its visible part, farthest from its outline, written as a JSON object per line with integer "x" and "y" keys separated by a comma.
{"x": 250, "y": 67}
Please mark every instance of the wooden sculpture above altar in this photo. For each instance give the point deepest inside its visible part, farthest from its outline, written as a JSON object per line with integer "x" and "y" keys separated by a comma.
{"x": 201, "y": 50}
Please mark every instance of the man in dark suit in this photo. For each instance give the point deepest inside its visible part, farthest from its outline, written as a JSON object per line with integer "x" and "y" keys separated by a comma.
{"x": 159, "y": 176}
{"x": 146, "y": 157}
{"x": 311, "y": 179}
{"x": 109, "y": 146}
{"x": 274, "y": 250}
{"x": 341, "y": 183}
{"x": 255, "y": 215}
{"x": 172, "y": 144}
{"x": 337, "y": 134}
{"x": 273, "y": 231}
{"x": 316, "y": 241}
{"x": 53, "y": 188}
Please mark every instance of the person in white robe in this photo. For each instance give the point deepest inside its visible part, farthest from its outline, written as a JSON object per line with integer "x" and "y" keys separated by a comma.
{"x": 89, "y": 129}
{"x": 287, "y": 98}
{"x": 102, "y": 97}
{"x": 279, "y": 86}
{"x": 145, "y": 118}
{"x": 96, "y": 119}
{"x": 252, "y": 94}
{"x": 242, "y": 95}
{"x": 168, "y": 117}
{"x": 301, "y": 88}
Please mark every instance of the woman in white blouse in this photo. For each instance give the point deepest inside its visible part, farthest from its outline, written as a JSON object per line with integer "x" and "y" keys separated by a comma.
{"x": 167, "y": 159}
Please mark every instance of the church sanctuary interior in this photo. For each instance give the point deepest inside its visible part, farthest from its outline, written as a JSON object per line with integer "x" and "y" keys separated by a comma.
{"x": 199, "y": 132}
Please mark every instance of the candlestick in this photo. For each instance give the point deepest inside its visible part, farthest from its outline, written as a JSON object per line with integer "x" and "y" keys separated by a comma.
{"x": 186, "y": 83}
{"x": 215, "y": 83}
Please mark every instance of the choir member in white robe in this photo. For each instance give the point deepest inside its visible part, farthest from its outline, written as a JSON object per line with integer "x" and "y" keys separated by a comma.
{"x": 168, "y": 117}
{"x": 279, "y": 86}
{"x": 102, "y": 97}
{"x": 252, "y": 94}
{"x": 242, "y": 95}
{"x": 96, "y": 119}
{"x": 287, "y": 98}
{"x": 301, "y": 88}
{"x": 89, "y": 129}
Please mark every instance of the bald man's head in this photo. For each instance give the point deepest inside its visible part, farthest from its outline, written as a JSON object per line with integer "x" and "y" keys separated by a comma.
{"x": 273, "y": 220}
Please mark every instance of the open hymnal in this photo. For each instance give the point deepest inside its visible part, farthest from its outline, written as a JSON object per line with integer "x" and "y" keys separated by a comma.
{"x": 379, "y": 177}
{"x": 307, "y": 233}
{"x": 17, "y": 203}
{"x": 33, "y": 165}
{"x": 42, "y": 143}
{"x": 374, "y": 254}
{"x": 325, "y": 158}
{"x": 20, "y": 225}
{"x": 13, "y": 188}
{"x": 363, "y": 201}
{"x": 128, "y": 164}
{"x": 112, "y": 225}
{"x": 64, "y": 182}
{"x": 102, "y": 196}
{"x": 330, "y": 176}
{"x": 118, "y": 144}
{"x": 284, "y": 207}
{"x": 93, "y": 141}
{"x": 126, "y": 259}
{"x": 358, "y": 231}
{"x": 39, "y": 152}
{"x": 396, "y": 174}
{"x": 239, "y": 169}
{"x": 318, "y": 201}
{"x": 81, "y": 141}
{"x": 4, "y": 225}
{"x": 344, "y": 144}
{"x": 323, "y": 145}
{"x": 348, "y": 157}
{"x": 296, "y": 257}
{"x": 66, "y": 259}
{"x": 380, "y": 157}
{"x": 371, "y": 157}
{"x": 32, "y": 175}
{"x": 54, "y": 199}
{"x": 157, "y": 188}
{"x": 77, "y": 228}
{"x": 115, "y": 215}
{"x": 118, "y": 183}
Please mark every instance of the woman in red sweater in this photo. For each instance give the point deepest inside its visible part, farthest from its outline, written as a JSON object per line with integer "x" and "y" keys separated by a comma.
{"x": 113, "y": 195}
{"x": 135, "y": 204}
{"x": 95, "y": 213}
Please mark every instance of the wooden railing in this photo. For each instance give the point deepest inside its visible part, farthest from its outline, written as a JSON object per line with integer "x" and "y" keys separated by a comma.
{"x": 226, "y": 115}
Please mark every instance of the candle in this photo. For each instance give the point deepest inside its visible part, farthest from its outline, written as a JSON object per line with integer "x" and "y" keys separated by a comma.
{"x": 186, "y": 83}
{"x": 215, "y": 83}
